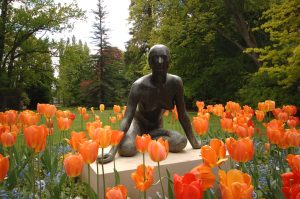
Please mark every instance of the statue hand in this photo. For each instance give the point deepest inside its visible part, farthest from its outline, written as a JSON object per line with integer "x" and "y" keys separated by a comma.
{"x": 108, "y": 157}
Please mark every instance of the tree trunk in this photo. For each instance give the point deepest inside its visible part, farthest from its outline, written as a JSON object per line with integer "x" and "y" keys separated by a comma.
{"x": 243, "y": 27}
{"x": 4, "y": 10}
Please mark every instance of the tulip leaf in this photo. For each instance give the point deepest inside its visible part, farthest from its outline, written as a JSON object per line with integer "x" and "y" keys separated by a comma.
{"x": 208, "y": 194}
{"x": 117, "y": 177}
{"x": 90, "y": 192}
{"x": 170, "y": 183}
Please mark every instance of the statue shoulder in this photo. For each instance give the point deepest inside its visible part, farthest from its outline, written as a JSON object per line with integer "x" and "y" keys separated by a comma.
{"x": 174, "y": 79}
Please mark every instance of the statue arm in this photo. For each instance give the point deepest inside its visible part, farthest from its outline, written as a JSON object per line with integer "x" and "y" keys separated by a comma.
{"x": 183, "y": 116}
{"x": 132, "y": 102}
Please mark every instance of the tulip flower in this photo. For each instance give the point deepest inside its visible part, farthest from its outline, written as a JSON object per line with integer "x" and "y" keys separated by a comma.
{"x": 76, "y": 139}
{"x": 260, "y": 115}
{"x": 158, "y": 150}
{"x": 91, "y": 126}
{"x": 47, "y": 110}
{"x": 205, "y": 175}
{"x": 187, "y": 186}
{"x": 218, "y": 110}
{"x": 102, "y": 136}
{"x": 89, "y": 151}
{"x": 227, "y": 124}
{"x": 64, "y": 123}
{"x": 81, "y": 110}
{"x": 235, "y": 184}
{"x": 60, "y": 113}
{"x": 101, "y": 107}
{"x": 8, "y": 139}
{"x": 200, "y": 105}
{"x": 290, "y": 185}
{"x": 200, "y": 125}
{"x": 86, "y": 117}
{"x": 112, "y": 119}
{"x": 116, "y": 109}
{"x": 4, "y": 166}
{"x": 243, "y": 130}
{"x": 116, "y": 137}
{"x": 270, "y": 105}
{"x": 119, "y": 116}
{"x": 275, "y": 131}
{"x": 29, "y": 118}
{"x": 35, "y": 137}
{"x": 290, "y": 109}
{"x": 241, "y": 150}
{"x": 73, "y": 165}
{"x": 143, "y": 178}
{"x": 10, "y": 117}
{"x": 214, "y": 155}
{"x": 142, "y": 142}
{"x": 294, "y": 162}
{"x": 118, "y": 192}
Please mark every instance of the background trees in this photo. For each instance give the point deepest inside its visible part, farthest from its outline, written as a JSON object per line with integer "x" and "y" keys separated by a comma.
{"x": 223, "y": 50}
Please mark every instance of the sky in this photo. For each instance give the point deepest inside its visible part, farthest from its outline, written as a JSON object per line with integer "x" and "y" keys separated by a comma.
{"x": 116, "y": 22}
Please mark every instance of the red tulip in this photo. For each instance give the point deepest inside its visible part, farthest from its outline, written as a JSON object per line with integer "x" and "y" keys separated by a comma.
{"x": 187, "y": 187}
{"x": 4, "y": 166}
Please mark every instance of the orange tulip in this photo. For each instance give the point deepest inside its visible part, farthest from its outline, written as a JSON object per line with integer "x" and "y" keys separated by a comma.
{"x": 270, "y": 105}
{"x": 158, "y": 149}
{"x": 235, "y": 184}
{"x": 89, "y": 151}
{"x": 275, "y": 131}
{"x": 267, "y": 146}
{"x": 29, "y": 118}
{"x": 47, "y": 110}
{"x": 218, "y": 110}
{"x": 205, "y": 175}
{"x": 292, "y": 137}
{"x": 283, "y": 116}
{"x": 81, "y": 110}
{"x": 232, "y": 107}
{"x": 294, "y": 162}
{"x": 241, "y": 150}
{"x": 116, "y": 137}
{"x": 143, "y": 183}
{"x": 174, "y": 114}
{"x": 243, "y": 130}
{"x": 290, "y": 109}
{"x": 91, "y": 126}
{"x": 4, "y": 165}
{"x": 102, "y": 136}
{"x": 118, "y": 192}
{"x": 260, "y": 115}
{"x": 166, "y": 113}
{"x": 64, "y": 123}
{"x": 9, "y": 117}
{"x": 101, "y": 107}
{"x": 86, "y": 117}
{"x": 142, "y": 142}
{"x": 200, "y": 105}
{"x": 214, "y": 155}
{"x": 112, "y": 119}
{"x": 8, "y": 139}
{"x": 187, "y": 186}
{"x": 73, "y": 165}
{"x": 293, "y": 121}
{"x": 60, "y": 113}
{"x": 116, "y": 109}
{"x": 200, "y": 125}
{"x": 76, "y": 139}
{"x": 119, "y": 116}
{"x": 36, "y": 137}
{"x": 227, "y": 124}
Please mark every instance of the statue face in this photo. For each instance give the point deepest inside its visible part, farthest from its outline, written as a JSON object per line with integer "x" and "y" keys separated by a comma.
{"x": 159, "y": 59}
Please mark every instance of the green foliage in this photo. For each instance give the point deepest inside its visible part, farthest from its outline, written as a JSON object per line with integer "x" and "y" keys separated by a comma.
{"x": 280, "y": 75}
{"x": 74, "y": 68}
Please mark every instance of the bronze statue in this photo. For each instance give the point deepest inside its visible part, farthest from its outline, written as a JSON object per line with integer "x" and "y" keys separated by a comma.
{"x": 149, "y": 97}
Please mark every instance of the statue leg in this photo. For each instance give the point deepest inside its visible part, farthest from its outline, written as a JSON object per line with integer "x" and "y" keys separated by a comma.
{"x": 127, "y": 146}
{"x": 177, "y": 141}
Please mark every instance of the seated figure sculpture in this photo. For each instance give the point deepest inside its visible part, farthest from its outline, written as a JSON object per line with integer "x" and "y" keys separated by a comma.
{"x": 149, "y": 97}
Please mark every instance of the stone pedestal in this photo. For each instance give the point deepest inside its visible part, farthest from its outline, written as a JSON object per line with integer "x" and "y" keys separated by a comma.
{"x": 179, "y": 163}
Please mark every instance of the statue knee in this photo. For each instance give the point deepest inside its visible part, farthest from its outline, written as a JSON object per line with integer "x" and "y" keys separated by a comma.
{"x": 177, "y": 143}
{"x": 127, "y": 149}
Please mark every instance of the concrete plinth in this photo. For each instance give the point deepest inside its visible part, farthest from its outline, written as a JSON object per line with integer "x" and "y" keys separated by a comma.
{"x": 179, "y": 163}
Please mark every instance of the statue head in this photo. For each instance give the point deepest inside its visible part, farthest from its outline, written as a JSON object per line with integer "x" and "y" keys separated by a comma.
{"x": 159, "y": 58}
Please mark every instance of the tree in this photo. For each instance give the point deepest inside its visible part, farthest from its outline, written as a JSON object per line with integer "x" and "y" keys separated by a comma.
{"x": 19, "y": 24}
{"x": 279, "y": 76}
{"x": 74, "y": 68}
